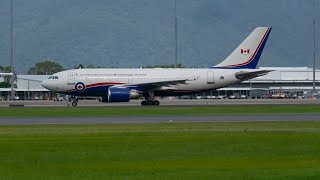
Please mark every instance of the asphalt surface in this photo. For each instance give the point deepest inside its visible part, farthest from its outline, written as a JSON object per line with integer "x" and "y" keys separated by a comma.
{"x": 164, "y": 119}
{"x": 168, "y": 102}
{"x": 161, "y": 119}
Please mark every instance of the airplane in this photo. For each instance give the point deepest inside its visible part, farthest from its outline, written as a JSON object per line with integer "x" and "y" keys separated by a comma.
{"x": 6, "y": 74}
{"x": 122, "y": 85}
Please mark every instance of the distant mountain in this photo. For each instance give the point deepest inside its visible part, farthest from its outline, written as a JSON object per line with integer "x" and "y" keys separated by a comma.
{"x": 134, "y": 33}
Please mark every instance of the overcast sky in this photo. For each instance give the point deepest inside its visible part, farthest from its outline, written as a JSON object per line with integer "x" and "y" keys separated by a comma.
{"x": 134, "y": 33}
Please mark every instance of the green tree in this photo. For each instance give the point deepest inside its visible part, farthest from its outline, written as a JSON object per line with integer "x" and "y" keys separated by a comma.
{"x": 5, "y": 84}
{"x": 7, "y": 69}
{"x": 45, "y": 68}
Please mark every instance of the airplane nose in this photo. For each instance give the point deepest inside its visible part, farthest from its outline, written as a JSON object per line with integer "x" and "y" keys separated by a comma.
{"x": 44, "y": 84}
{"x": 47, "y": 84}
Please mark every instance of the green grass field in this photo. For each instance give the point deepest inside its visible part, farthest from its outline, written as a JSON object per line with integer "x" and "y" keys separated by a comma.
{"x": 259, "y": 150}
{"x": 153, "y": 111}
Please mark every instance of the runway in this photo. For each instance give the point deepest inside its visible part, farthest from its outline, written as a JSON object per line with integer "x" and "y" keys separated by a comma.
{"x": 160, "y": 119}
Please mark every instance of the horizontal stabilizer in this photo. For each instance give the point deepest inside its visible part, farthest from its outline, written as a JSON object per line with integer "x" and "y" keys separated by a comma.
{"x": 244, "y": 75}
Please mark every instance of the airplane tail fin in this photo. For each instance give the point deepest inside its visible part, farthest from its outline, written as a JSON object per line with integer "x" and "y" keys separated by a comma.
{"x": 247, "y": 54}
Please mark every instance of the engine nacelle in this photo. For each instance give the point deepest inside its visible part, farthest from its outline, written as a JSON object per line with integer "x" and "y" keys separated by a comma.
{"x": 121, "y": 94}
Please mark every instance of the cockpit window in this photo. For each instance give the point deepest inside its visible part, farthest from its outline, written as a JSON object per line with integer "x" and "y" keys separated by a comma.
{"x": 53, "y": 77}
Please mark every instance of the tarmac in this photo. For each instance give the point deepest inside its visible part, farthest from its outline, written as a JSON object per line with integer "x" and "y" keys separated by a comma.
{"x": 163, "y": 119}
{"x": 167, "y": 102}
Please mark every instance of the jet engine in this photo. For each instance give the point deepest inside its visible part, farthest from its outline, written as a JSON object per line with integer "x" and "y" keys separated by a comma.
{"x": 121, "y": 94}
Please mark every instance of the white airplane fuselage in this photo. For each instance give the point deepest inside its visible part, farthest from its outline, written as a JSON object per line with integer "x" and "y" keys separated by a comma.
{"x": 97, "y": 81}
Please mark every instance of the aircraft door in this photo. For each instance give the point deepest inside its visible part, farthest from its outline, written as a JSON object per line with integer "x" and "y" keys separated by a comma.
{"x": 71, "y": 78}
{"x": 129, "y": 79}
{"x": 210, "y": 77}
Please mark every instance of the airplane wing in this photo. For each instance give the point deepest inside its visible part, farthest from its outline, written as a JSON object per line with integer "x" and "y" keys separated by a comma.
{"x": 245, "y": 75}
{"x": 161, "y": 83}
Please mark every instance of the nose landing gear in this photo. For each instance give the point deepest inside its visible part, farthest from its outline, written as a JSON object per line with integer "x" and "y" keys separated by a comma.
{"x": 74, "y": 101}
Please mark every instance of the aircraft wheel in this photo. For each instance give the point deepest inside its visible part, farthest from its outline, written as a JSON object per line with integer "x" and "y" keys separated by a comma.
{"x": 143, "y": 103}
{"x": 74, "y": 103}
{"x": 149, "y": 103}
{"x": 156, "y": 103}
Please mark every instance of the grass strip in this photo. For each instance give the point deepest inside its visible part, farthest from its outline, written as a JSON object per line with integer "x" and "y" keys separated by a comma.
{"x": 153, "y": 111}
{"x": 258, "y": 150}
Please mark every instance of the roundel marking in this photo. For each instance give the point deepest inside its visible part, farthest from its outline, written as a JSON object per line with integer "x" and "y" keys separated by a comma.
{"x": 80, "y": 86}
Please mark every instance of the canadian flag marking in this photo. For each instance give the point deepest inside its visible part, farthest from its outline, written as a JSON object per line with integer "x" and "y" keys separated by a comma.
{"x": 245, "y": 51}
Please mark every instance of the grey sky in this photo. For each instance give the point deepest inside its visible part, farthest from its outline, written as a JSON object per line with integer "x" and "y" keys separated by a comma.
{"x": 134, "y": 33}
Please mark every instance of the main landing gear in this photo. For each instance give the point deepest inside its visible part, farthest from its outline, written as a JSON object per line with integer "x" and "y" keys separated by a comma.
{"x": 150, "y": 103}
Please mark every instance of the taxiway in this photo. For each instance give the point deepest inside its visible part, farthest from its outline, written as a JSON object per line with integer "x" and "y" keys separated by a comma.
{"x": 166, "y": 102}
{"x": 160, "y": 119}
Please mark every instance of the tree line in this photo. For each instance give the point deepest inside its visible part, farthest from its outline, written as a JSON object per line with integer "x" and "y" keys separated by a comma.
{"x": 6, "y": 83}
